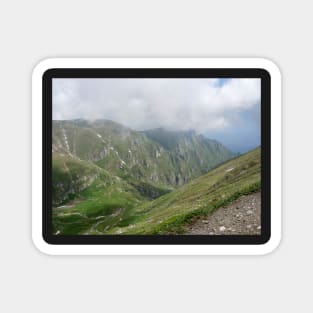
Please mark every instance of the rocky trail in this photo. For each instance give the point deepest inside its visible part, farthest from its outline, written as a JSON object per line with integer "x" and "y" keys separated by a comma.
{"x": 241, "y": 217}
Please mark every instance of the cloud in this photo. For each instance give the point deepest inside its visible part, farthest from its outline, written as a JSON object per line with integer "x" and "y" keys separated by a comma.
{"x": 203, "y": 105}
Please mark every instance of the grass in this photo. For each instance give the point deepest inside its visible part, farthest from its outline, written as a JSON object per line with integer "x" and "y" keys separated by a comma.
{"x": 175, "y": 224}
{"x": 169, "y": 213}
{"x": 113, "y": 206}
{"x": 96, "y": 205}
{"x": 124, "y": 152}
{"x": 103, "y": 194}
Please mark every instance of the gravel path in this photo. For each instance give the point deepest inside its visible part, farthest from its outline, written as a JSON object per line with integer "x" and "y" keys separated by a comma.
{"x": 241, "y": 217}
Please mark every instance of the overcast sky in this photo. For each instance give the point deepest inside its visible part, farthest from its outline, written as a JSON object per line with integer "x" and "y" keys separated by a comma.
{"x": 224, "y": 109}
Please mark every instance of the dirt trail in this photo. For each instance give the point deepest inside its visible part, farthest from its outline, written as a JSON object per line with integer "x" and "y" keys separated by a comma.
{"x": 241, "y": 217}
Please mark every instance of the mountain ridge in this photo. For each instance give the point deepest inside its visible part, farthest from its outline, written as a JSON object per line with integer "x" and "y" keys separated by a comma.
{"x": 159, "y": 158}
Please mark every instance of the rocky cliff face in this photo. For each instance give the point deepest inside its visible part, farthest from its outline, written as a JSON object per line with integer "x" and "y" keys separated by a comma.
{"x": 158, "y": 157}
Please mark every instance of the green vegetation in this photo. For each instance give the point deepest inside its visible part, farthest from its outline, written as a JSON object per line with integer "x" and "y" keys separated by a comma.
{"x": 70, "y": 175}
{"x": 105, "y": 202}
{"x": 106, "y": 196}
{"x": 160, "y": 158}
{"x": 202, "y": 195}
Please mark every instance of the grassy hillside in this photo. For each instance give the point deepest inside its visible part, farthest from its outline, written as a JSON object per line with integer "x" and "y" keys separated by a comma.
{"x": 222, "y": 185}
{"x": 145, "y": 157}
{"x": 89, "y": 195}
{"x": 119, "y": 208}
{"x": 71, "y": 175}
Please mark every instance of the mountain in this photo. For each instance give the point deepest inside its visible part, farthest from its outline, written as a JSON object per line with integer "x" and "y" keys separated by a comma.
{"x": 153, "y": 161}
{"x": 194, "y": 154}
{"x": 222, "y": 185}
{"x": 111, "y": 205}
{"x": 91, "y": 192}
{"x": 71, "y": 176}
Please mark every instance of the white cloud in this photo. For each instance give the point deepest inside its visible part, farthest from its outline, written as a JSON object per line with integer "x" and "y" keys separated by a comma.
{"x": 180, "y": 104}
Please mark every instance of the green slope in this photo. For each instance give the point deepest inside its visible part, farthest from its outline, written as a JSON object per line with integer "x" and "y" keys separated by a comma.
{"x": 119, "y": 208}
{"x": 71, "y": 175}
{"x": 143, "y": 157}
{"x": 84, "y": 194}
{"x": 222, "y": 185}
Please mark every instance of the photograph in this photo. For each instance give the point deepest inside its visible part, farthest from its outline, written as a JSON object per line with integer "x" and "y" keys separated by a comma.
{"x": 156, "y": 156}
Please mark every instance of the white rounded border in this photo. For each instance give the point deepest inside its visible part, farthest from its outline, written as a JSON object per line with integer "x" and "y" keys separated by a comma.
{"x": 276, "y": 149}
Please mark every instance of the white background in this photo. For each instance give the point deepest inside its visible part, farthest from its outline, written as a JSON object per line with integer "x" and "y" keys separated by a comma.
{"x": 34, "y": 30}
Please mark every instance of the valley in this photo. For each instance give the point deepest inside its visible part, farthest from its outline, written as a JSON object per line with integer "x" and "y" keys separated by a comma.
{"x": 110, "y": 179}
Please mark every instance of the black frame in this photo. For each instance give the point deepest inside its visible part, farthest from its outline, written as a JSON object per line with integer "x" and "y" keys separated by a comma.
{"x": 157, "y": 73}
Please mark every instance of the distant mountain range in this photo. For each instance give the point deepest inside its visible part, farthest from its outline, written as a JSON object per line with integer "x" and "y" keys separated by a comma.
{"x": 150, "y": 162}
